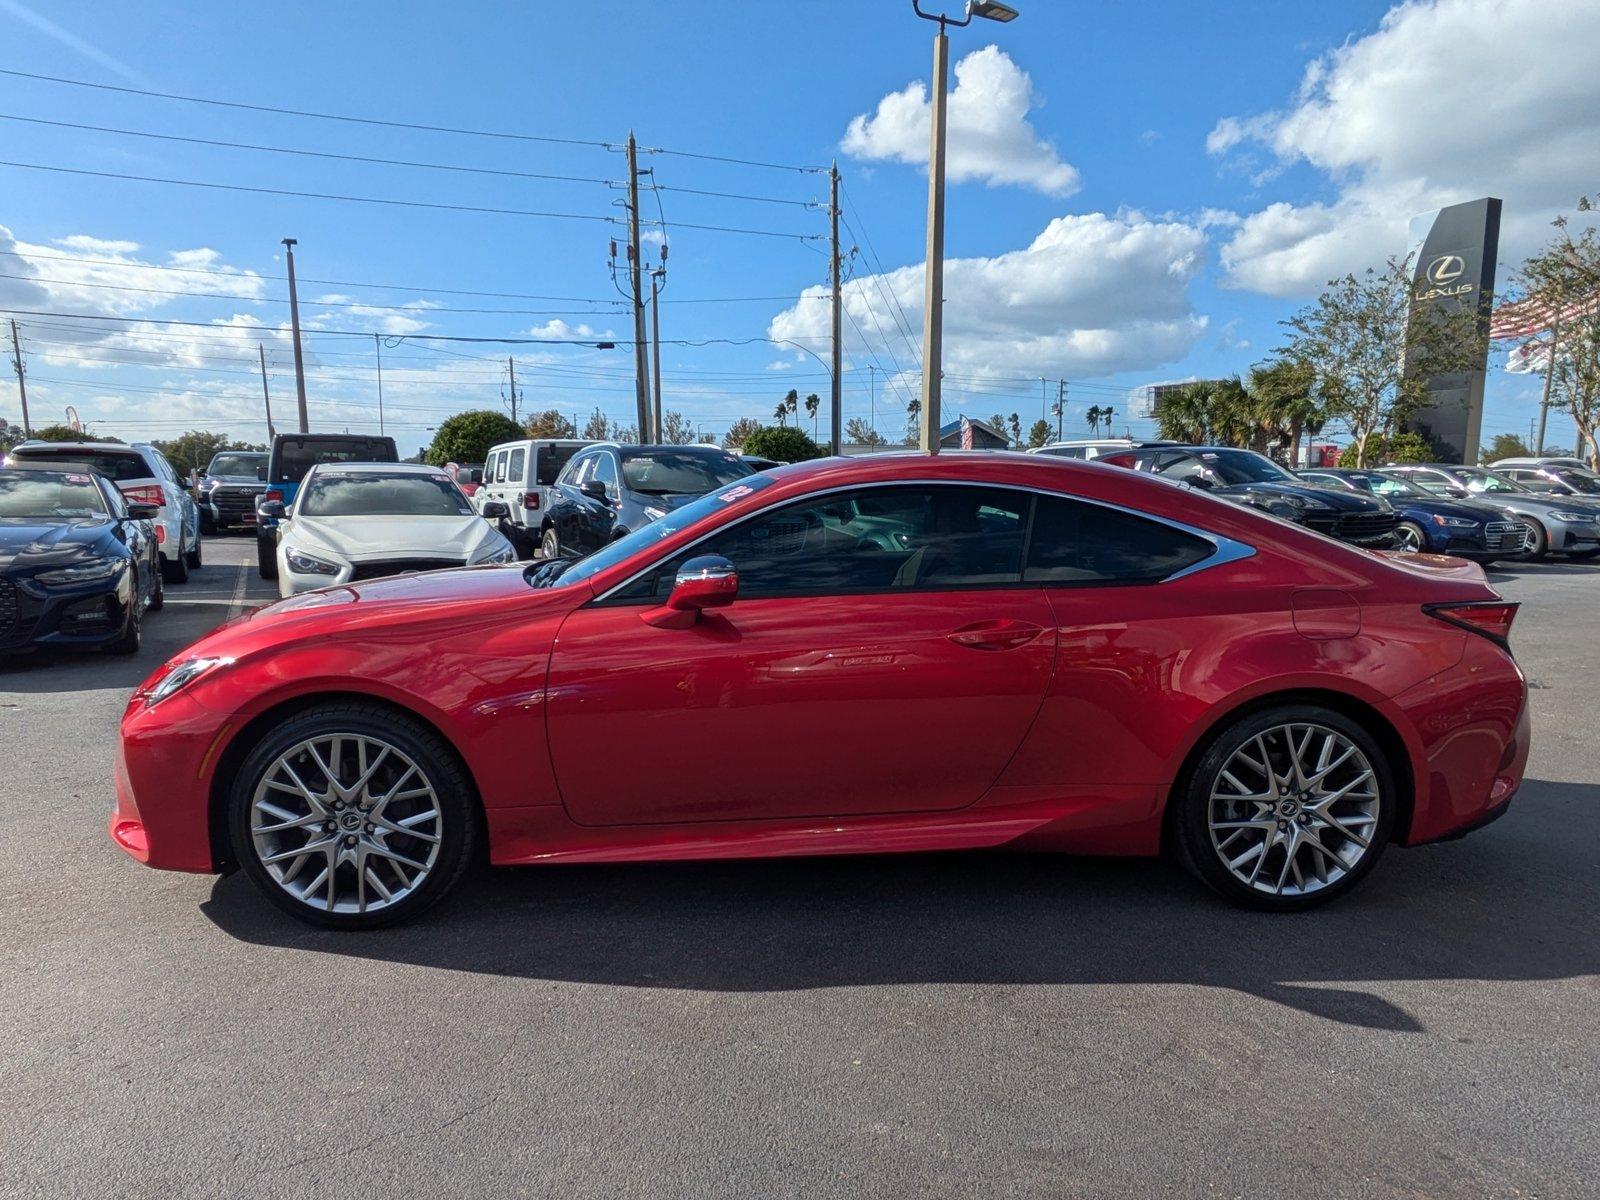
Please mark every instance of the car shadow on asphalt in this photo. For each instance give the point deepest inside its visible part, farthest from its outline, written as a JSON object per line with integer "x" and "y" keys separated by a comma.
{"x": 1499, "y": 905}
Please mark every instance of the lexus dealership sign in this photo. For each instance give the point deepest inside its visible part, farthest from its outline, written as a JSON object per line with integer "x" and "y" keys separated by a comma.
{"x": 1453, "y": 254}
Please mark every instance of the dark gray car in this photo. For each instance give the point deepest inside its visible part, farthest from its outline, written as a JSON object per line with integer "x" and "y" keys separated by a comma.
{"x": 227, "y": 491}
{"x": 1556, "y": 524}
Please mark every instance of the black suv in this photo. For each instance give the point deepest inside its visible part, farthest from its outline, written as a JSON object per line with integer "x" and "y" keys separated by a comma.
{"x": 609, "y": 490}
{"x": 1254, "y": 480}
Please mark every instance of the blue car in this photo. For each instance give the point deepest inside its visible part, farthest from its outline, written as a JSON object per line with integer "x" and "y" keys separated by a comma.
{"x": 1430, "y": 524}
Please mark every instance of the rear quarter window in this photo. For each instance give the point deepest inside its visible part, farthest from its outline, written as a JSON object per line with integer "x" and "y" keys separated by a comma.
{"x": 1074, "y": 542}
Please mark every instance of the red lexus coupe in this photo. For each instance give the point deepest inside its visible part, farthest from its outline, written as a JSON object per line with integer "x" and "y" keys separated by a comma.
{"x": 885, "y": 654}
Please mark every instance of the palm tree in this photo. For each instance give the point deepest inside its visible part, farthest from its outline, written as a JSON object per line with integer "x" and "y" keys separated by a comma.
{"x": 1290, "y": 405}
{"x": 792, "y": 403}
{"x": 782, "y": 412}
{"x": 1016, "y": 429}
{"x": 813, "y": 403}
{"x": 1186, "y": 414}
{"x": 1106, "y": 414}
{"x": 1093, "y": 417}
{"x": 913, "y": 419}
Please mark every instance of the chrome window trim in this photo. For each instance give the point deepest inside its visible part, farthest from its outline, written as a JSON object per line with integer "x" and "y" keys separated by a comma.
{"x": 1227, "y": 550}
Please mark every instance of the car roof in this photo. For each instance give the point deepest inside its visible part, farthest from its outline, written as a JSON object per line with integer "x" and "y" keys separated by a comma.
{"x": 98, "y": 447}
{"x": 383, "y": 467}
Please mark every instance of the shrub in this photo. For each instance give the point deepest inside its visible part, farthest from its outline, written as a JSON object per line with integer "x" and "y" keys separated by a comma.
{"x": 1400, "y": 448}
{"x": 467, "y": 437}
{"x": 782, "y": 444}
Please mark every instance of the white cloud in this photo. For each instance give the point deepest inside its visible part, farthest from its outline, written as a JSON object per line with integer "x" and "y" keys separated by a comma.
{"x": 1431, "y": 109}
{"x": 1092, "y": 294}
{"x": 989, "y": 135}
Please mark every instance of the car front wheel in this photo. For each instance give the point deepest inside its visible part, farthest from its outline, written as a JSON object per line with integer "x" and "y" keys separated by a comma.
{"x": 550, "y": 545}
{"x": 1286, "y": 809}
{"x": 1409, "y": 537}
{"x": 350, "y": 816}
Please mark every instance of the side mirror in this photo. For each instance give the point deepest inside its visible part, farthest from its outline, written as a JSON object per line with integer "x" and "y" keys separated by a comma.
{"x": 272, "y": 510}
{"x": 709, "y": 581}
{"x": 1202, "y": 482}
{"x": 143, "y": 512}
{"x": 496, "y": 510}
{"x": 261, "y": 474}
{"x": 594, "y": 489}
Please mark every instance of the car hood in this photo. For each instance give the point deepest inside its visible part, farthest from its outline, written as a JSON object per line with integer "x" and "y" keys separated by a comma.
{"x": 1465, "y": 510}
{"x": 1342, "y": 501}
{"x": 359, "y": 539}
{"x": 29, "y": 544}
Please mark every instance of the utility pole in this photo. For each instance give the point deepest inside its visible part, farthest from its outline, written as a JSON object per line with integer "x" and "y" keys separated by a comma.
{"x": 377, "y": 346}
{"x": 836, "y": 408}
{"x": 511, "y": 365}
{"x": 933, "y": 284}
{"x": 266, "y": 396}
{"x": 294, "y": 326}
{"x": 658, "y": 280}
{"x": 22, "y": 383}
{"x": 641, "y": 382}
{"x": 1061, "y": 406}
{"x": 1549, "y": 374}
{"x": 872, "y": 396}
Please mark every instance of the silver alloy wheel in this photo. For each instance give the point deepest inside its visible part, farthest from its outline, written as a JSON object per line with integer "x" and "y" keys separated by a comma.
{"x": 1294, "y": 809}
{"x": 1410, "y": 538}
{"x": 346, "y": 823}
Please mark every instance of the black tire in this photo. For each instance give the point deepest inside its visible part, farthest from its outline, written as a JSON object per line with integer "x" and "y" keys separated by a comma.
{"x": 266, "y": 557}
{"x": 208, "y": 525}
{"x": 550, "y": 544}
{"x": 175, "y": 567}
{"x": 1411, "y": 536}
{"x": 435, "y": 761}
{"x": 194, "y": 557}
{"x": 1190, "y": 832}
{"x": 158, "y": 598}
{"x": 128, "y": 641}
{"x": 1537, "y": 545}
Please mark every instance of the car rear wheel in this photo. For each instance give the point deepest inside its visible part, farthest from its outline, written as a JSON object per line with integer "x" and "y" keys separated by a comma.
{"x": 194, "y": 556}
{"x": 175, "y": 567}
{"x": 550, "y": 545}
{"x": 1286, "y": 808}
{"x": 128, "y": 641}
{"x": 208, "y": 525}
{"x": 266, "y": 557}
{"x": 350, "y": 816}
{"x": 158, "y": 597}
{"x": 1409, "y": 536}
{"x": 1535, "y": 541}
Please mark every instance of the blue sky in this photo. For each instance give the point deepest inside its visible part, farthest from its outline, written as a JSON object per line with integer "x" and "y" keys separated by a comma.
{"x": 1109, "y": 228}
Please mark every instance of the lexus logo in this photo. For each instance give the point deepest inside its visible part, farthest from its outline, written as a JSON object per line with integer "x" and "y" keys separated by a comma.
{"x": 1445, "y": 268}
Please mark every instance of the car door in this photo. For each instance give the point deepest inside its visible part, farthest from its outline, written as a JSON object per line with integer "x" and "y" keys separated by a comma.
{"x": 601, "y": 511}
{"x": 882, "y": 656}
{"x": 566, "y": 501}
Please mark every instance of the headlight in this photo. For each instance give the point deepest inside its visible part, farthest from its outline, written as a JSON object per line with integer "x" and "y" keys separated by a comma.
{"x": 1454, "y": 522}
{"x": 654, "y": 513}
{"x": 1306, "y": 503}
{"x": 1567, "y": 514}
{"x": 89, "y": 572}
{"x": 503, "y": 555}
{"x": 181, "y": 676}
{"x": 304, "y": 564}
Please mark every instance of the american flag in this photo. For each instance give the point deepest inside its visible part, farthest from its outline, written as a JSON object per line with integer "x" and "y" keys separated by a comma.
{"x": 966, "y": 434}
{"x": 1531, "y": 317}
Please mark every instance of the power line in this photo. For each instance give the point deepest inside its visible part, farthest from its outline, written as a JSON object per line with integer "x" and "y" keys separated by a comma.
{"x": 321, "y": 116}
{"x": 743, "y": 162}
{"x": 357, "y": 158}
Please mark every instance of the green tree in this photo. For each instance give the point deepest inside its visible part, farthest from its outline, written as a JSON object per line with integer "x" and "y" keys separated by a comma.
{"x": 676, "y": 429}
{"x": 549, "y": 424}
{"x": 813, "y": 405}
{"x": 466, "y": 437}
{"x": 739, "y": 431}
{"x": 10, "y": 435}
{"x": 858, "y": 432}
{"x": 1015, "y": 425}
{"x": 599, "y": 427}
{"x": 1287, "y": 403}
{"x": 1373, "y": 351}
{"x": 1039, "y": 433}
{"x": 782, "y": 412}
{"x": 1504, "y": 445}
{"x": 1563, "y": 279}
{"x": 195, "y": 449}
{"x": 1187, "y": 414}
{"x": 783, "y": 444}
{"x": 1092, "y": 415}
{"x": 913, "y": 420}
{"x": 998, "y": 422}
{"x": 66, "y": 433}
{"x": 1396, "y": 448}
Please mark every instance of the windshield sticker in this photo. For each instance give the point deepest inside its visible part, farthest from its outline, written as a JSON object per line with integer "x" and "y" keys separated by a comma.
{"x": 738, "y": 493}
{"x": 79, "y": 479}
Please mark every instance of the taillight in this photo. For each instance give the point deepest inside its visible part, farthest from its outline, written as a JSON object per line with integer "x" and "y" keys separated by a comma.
{"x": 271, "y": 495}
{"x": 530, "y": 500}
{"x": 161, "y": 534}
{"x": 1490, "y": 618}
{"x": 145, "y": 493}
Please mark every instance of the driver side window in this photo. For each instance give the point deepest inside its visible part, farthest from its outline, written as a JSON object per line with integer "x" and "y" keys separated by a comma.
{"x": 916, "y": 537}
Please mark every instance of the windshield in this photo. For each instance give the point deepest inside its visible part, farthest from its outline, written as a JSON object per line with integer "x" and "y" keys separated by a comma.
{"x": 117, "y": 465}
{"x": 1392, "y": 487}
{"x": 1479, "y": 480}
{"x": 49, "y": 494}
{"x": 1243, "y": 466}
{"x": 1578, "y": 481}
{"x": 381, "y": 494}
{"x": 236, "y": 464}
{"x": 293, "y": 457}
{"x": 560, "y": 574}
{"x": 550, "y": 458}
{"x": 667, "y": 472}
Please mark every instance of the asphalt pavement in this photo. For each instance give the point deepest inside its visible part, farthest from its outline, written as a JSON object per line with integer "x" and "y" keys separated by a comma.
{"x": 959, "y": 1025}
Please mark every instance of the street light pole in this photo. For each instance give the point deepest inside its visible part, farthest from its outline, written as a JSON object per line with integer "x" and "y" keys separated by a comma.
{"x": 377, "y": 346}
{"x": 658, "y": 280}
{"x": 933, "y": 280}
{"x": 294, "y": 327}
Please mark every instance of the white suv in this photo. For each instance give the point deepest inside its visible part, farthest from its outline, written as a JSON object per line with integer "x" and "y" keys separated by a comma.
{"x": 143, "y": 476}
{"x": 520, "y": 475}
